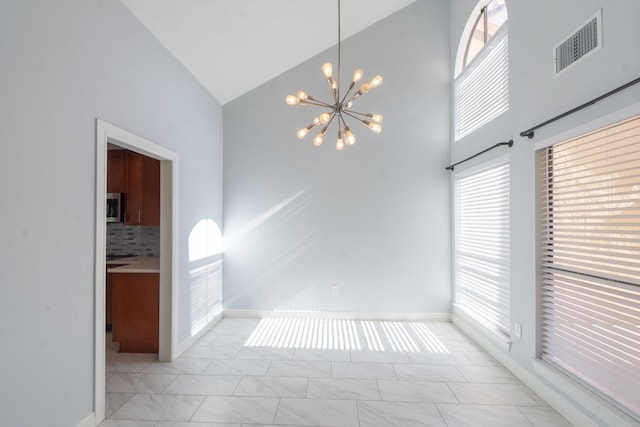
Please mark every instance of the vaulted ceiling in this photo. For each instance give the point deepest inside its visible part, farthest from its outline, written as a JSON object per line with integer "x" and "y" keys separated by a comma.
{"x": 233, "y": 46}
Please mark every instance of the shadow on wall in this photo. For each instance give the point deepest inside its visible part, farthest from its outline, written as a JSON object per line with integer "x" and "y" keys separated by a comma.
{"x": 205, "y": 273}
{"x": 287, "y": 242}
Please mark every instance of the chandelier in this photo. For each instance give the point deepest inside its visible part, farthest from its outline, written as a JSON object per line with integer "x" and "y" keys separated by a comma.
{"x": 340, "y": 106}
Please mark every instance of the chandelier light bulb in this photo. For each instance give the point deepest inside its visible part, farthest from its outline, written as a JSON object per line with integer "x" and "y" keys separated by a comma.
{"x": 292, "y": 100}
{"x": 350, "y": 137}
{"x": 377, "y": 81}
{"x": 327, "y": 69}
{"x": 365, "y": 88}
{"x": 324, "y": 118}
{"x": 375, "y": 127}
{"x": 357, "y": 75}
{"x": 317, "y": 141}
{"x": 376, "y": 117}
{"x": 302, "y": 133}
{"x": 302, "y": 96}
{"x": 339, "y": 142}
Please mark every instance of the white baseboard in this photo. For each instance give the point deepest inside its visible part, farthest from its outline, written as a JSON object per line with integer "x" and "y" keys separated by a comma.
{"x": 565, "y": 408}
{"x": 500, "y": 342}
{"x": 89, "y": 421}
{"x": 406, "y": 317}
{"x": 603, "y": 410}
{"x": 188, "y": 342}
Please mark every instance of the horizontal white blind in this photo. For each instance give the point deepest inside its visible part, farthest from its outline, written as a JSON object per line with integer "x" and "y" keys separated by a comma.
{"x": 482, "y": 246}
{"x": 589, "y": 190}
{"x": 482, "y": 89}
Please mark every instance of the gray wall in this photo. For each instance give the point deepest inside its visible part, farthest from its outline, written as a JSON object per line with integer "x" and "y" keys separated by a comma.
{"x": 535, "y": 96}
{"x": 372, "y": 219}
{"x": 64, "y": 64}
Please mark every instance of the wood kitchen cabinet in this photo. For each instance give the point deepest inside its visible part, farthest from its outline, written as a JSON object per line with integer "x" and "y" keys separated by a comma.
{"x": 151, "y": 191}
{"x": 109, "y": 294}
{"x": 135, "y": 311}
{"x": 141, "y": 189}
{"x": 109, "y": 304}
{"x": 115, "y": 171}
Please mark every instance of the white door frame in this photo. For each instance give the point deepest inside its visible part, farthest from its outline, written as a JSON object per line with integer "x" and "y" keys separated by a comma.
{"x": 108, "y": 133}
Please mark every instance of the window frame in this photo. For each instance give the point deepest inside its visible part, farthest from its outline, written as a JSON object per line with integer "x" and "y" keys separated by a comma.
{"x": 482, "y": 83}
{"x": 483, "y": 16}
{"x": 481, "y": 11}
{"x": 549, "y": 145}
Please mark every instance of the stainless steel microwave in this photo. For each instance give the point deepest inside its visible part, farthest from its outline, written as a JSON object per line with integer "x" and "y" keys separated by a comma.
{"x": 114, "y": 207}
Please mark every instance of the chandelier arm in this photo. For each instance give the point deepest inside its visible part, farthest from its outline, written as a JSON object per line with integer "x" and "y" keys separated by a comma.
{"x": 348, "y": 113}
{"x": 331, "y": 83}
{"x": 359, "y": 113}
{"x": 344, "y": 124}
{"x": 312, "y": 125}
{"x": 318, "y": 103}
{"x": 347, "y": 94}
{"x": 340, "y": 122}
{"x": 355, "y": 95}
{"x": 333, "y": 115}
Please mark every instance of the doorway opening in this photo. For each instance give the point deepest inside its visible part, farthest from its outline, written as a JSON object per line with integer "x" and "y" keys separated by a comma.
{"x": 106, "y": 134}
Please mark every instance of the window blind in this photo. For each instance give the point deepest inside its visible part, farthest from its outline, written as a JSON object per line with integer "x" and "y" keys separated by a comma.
{"x": 589, "y": 231}
{"x": 482, "y": 89}
{"x": 482, "y": 246}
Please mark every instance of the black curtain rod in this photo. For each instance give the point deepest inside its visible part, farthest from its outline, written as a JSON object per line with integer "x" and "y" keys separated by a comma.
{"x": 529, "y": 133}
{"x": 510, "y": 144}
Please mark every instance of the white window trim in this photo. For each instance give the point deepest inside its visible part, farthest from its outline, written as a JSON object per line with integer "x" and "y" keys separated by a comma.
{"x": 600, "y": 122}
{"x": 464, "y": 38}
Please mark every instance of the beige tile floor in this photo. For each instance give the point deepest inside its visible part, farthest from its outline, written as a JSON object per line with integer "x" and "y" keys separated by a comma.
{"x": 322, "y": 372}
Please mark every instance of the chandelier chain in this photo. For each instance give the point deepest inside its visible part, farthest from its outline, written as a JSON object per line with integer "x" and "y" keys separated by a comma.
{"x": 339, "y": 53}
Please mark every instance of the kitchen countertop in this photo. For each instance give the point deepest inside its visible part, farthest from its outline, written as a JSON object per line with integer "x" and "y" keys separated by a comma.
{"x": 136, "y": 264}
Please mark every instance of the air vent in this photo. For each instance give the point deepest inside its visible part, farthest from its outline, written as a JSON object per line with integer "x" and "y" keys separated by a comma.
{"x": 584, "y": 41}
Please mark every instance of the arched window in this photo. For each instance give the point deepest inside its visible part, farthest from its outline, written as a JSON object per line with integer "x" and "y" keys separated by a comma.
{"x": 482, "y": 83}
{"x": 488, "y": 22}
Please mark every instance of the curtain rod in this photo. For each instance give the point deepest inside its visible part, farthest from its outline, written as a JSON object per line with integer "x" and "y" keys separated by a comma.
{"x": 509, "y": 143}
{"x": 529, "y": 133}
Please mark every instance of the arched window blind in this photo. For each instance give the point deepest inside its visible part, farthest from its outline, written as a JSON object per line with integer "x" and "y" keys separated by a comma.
{"x": 589, "y": 231}
{"x": 482, "y": 246}
{"x": 482, "y": 89}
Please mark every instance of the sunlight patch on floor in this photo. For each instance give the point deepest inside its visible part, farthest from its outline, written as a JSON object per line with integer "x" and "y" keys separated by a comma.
{"x": 341, "y": 334}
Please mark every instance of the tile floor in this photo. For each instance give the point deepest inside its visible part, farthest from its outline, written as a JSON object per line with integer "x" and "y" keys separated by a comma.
{"x": 322, "y": 372}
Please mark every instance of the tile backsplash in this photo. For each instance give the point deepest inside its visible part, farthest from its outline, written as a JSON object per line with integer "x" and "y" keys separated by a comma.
{"x": 132, "y": 240}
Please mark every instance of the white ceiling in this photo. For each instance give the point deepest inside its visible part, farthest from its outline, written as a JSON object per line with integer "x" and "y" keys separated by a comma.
{"x": 233, "y": 46}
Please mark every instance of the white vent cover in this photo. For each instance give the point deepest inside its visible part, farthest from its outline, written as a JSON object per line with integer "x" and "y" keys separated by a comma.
{"x": 585, "y": 40}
